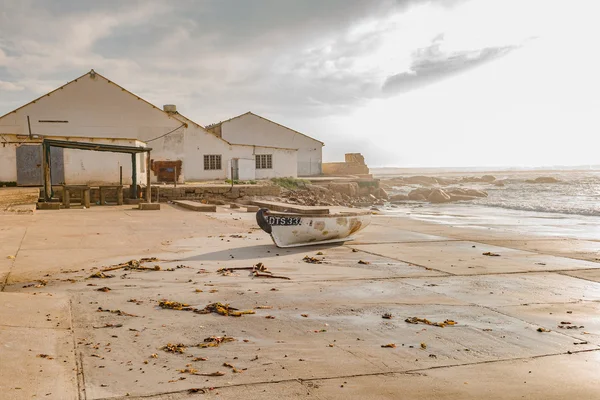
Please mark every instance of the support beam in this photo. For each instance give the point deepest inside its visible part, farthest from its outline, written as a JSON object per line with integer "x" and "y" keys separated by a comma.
{"x": 133, "y": 193}
{"x": 46, "y": 172}
{"x": 148, "y": 187}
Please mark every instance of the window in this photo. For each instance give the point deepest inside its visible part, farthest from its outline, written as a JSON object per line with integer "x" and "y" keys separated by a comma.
{"x": 212, "y": 161}
{"x": 264, "y": 161}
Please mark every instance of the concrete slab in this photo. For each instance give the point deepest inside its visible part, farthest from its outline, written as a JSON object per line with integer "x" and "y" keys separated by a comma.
{"x": 38, "y": 363}
{"x": 35, "y": 311}
{"x": 581, "y": 249}
{"x": 262, "y": 391}
{"x": 466, "y": 258}
{"x": 149, "y": 206}
{"x": 590, "y": 275}
{"x": 513, "y": 289}
{"x": 36, "y": 347}
{"x": 389, "y": 231}
{"x": 48, "y": 206}
{"x": 195, "y": 206}
{"x": 556, "y": 377}
{"x": 584, "y": 318}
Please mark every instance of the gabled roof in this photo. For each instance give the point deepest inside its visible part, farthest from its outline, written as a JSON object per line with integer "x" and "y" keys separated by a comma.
{"x": 268, "y": 120}
{"x": 98, "y": 75}
{"x": 189, "y": 121}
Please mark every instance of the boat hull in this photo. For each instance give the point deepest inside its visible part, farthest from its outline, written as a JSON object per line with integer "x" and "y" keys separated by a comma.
{"x": 293, "y": 230}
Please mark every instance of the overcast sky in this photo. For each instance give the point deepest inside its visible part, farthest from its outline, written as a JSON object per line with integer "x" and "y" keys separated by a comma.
{"x": 406, "y": 82}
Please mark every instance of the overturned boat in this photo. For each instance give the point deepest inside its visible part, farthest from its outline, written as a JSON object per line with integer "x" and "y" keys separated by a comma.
{"x": 289, "y": 229}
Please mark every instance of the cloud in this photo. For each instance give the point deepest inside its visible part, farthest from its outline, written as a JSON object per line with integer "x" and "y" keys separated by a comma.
{"x": 432, "y": 64}
{"x": 10, "y": 87}
{"x": 214, "y": 59}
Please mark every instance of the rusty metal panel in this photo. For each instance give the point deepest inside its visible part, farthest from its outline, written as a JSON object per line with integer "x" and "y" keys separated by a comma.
{"x": 166, "y": 171}
{"x": 29, "y": 165}
{"x": 57, "y": 165}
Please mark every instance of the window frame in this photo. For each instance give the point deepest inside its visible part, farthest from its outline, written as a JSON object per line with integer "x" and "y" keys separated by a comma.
{"x": 263, "y": 161}
{"x": 212, "y": 161}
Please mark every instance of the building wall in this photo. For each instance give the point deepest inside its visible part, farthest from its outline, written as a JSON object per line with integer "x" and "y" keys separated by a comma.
{"x": 97, "y": 108}
{"x": 8, "y": 162}
{"x": 94, "y": 107}
{"x": 199, "y": 142}
{"x": 252, "y": 130}
{"x": 81, "y": 166}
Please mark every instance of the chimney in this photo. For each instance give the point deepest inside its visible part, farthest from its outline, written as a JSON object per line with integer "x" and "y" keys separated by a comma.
{"x": 170, "y": 108}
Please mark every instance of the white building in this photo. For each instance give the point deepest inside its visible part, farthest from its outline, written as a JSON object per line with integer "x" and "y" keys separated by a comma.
{"x": 252, "y": 129}
{"x": 92, "y": 108}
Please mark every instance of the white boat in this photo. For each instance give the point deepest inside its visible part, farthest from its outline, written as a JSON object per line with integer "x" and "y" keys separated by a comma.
{"x": 294, "y": 230}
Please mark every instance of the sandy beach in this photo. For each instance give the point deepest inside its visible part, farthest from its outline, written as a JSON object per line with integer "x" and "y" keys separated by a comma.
{"x": 526, "y": 321}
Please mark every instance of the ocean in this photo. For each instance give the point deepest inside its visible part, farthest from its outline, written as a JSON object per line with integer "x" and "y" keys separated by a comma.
{"x": 578, "y": 192}
{"x": 570, "y": 207}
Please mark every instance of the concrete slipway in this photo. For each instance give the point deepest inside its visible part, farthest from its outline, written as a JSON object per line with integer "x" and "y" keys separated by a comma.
{"x": 325, "y": 329}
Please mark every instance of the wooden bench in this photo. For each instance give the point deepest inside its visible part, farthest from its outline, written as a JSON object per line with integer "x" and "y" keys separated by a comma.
{"x": 102, "y": 189}
{"x": 83, "y": 189}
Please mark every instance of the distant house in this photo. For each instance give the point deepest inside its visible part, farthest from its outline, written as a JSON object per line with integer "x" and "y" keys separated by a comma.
{"x": 92, "y": 108}
{"x": 252, "y": 129}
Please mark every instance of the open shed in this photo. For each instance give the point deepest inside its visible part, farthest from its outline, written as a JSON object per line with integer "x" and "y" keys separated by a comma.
{"x": 66, "y": 144}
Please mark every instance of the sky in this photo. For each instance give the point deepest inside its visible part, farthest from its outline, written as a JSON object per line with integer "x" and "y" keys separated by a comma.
{"x": 407, "y": 83}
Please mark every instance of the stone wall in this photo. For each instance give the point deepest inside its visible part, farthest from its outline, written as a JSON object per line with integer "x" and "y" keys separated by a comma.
{"x": 343, "y": 168}
{"x": 166, "y": 193}
{"x": 354, "y": 165}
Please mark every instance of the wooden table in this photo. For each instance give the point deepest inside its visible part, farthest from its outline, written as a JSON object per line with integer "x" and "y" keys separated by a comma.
{"x": 83, "y": 189}
{"x": 103, "y": 189}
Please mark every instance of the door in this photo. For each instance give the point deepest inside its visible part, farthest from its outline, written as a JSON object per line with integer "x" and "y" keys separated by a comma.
{"x": 167, "y": 171}
{"x": 29, "y": 165}
{"x": 235, "y": 169}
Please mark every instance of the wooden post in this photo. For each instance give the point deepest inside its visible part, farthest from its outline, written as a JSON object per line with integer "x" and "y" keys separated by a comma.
{"x": 133, "y": 193}
{"x": 66, "y": 197}
{"x": 175, "y": 178}
{"x": 85, "y": 197}
{"x": 148, "y": 187}
{"x": 46, "y": 171}
{"x": 102, "y": 195}
{"x": 121, "y": 175}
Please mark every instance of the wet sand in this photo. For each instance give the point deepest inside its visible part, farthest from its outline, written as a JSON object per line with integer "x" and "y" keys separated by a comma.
{"x": 324, "y": 335}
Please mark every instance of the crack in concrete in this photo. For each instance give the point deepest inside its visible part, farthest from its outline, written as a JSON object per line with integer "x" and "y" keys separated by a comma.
{"x": 12, "y": 265}
{"x": 79, "y": 371}
{"x": 412, "y": 264}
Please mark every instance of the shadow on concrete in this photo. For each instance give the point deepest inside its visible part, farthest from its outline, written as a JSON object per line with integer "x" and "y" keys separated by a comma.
{"x": 258, "y": 251}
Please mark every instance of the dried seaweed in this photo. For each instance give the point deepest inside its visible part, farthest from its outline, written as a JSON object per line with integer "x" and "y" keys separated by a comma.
{"x": 416, "y": 320}
{"x": 215, "y": 341}
{"x": 174, "y": 348}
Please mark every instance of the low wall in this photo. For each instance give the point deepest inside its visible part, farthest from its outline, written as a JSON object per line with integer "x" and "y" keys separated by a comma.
{"x": 166, "y": 193}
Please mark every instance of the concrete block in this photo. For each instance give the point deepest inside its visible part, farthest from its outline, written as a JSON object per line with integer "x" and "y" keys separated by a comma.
{"x": 149, "y": 206}
{"x": 48, "y": 206}
{"x": 251, "y": 208}
{"x": 195, "y": 206}
{"x": 233, "y": 205}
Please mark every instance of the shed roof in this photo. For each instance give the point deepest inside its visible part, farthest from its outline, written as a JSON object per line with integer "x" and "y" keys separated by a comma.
{"x": 113, "y": 148}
